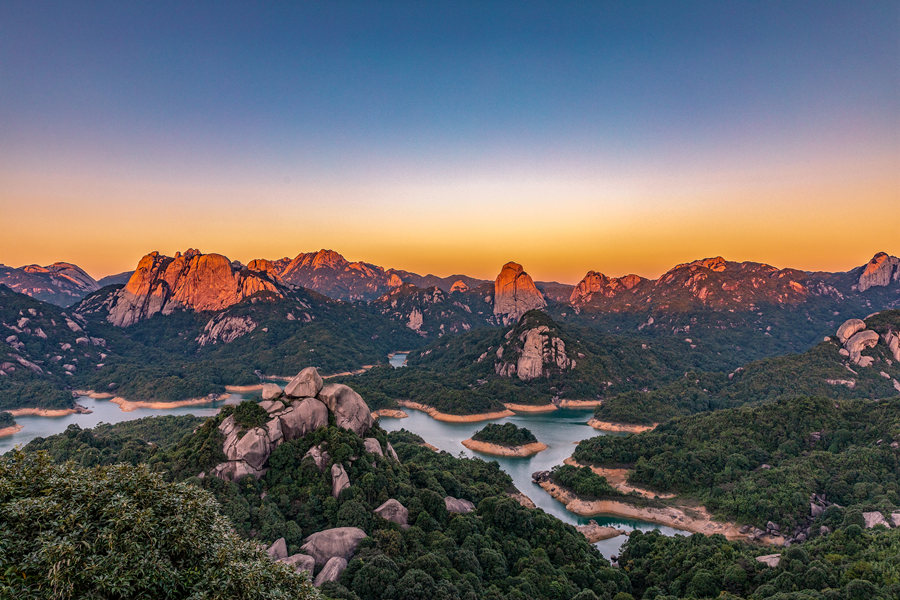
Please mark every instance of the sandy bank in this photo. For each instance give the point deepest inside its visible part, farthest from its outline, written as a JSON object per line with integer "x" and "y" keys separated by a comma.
{"x": 595, "y": 532}
{"x": 48, "y": 412}
{"x": 439, "y": 416}
{"x": 580, "y": 403}
{"x": 391, "y": 413}
{"x": 522, "y": 499}
{"x": 5, "y": 431}
{"x": 130, "y": 405}
{"x": 693, "y": 519}
{"x": 530, "y": 408}
{"x": 620, "y": 427}
{"x": 522, "y": 451}
{"x": 244, "y": 388}
{"x": 618, "y": 478}
{"x": 93, "y": 394}
{"x": 430, "y": 447}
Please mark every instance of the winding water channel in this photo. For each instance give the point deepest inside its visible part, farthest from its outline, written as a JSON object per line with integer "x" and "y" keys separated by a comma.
{"x": 561, "y": 430}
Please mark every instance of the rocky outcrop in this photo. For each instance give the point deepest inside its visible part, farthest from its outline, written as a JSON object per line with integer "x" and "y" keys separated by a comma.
{"x": 320, "y": 456}
{"x": 271, "y": 391}
{"x": 770, "y": 560}
{"x": 331, "y": 571}
{"x": 394, "y": 512}
{"x": 881, "y": 271}
{"x": 532, "y": 350}
{"x": 458, "y": 505}
{"x": 873, "y": 519}
{"x": 373, "y": 446}
{"x": 858, "y": 342}
{"x": 306, "y": 384}
{"x": 459, "y": 286}
{"x": 349, "y": 409}
{"x": 515, "y": 294}
{"x": 340, "y": 541}
{"x": 225, "y": 328}
{"x": 595, "y": 532}
{"x": 300, "y": 562}
{"x": 189, "y": 281}
{"x": 340, "y": 481}
{"x": 248, "y": 450}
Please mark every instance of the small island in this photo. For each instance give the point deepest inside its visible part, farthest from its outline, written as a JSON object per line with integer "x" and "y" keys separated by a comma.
{"x": 504, "y": 440}
{"x": 8, "y": 424}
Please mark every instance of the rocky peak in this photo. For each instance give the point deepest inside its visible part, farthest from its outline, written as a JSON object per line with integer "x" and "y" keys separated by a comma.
{"x": 515, "y": 293}
{"x": 61, "y": 283}
{"x": 879, "y": 272}
{"x": 595, "y": 282}
{"x": 189, "y": 281}
{"x": 459, "y": 286}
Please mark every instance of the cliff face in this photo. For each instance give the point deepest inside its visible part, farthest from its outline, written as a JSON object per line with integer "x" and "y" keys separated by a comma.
{"x": 515, "y": 294}
{"x": 533, "y": 349}
{"x": 190, "y": 281}
{"x": 881, "y": 271}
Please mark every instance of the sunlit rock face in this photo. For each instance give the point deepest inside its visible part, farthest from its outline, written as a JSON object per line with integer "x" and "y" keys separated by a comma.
{"x": 515, "y": 294}
{"x": 329, "y": 273}
{"x": 189, "y": 281}
{"x": 599, "y": 284}
{"x": 881, "y": 271}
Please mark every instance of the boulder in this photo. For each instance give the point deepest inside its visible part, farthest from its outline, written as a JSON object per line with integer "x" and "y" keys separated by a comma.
{"x": 340, "y": 481}
{"x": 874, "y": 518}
{"x": 392, "y": 453}
{"x": 254, "y": 447}
{"x": 373, "y": 446}
{"x": 306, "y": 384}
{"x": 234, "y": 470}
{"x": 394, "y": 512}
{"x": 895, "y": 518}
{"x": 458, "y": 505}
{"x": 350, "y": 411}
{"x": 300, "y": 562}
{"x": 770, "y": 560}
{"x": 271, "y": 406}
{"x": 331, "y": 571}
{"x": 340, "y": 541}
{"x": 278, "y": 550}
{"x": 859, "y": 342}
{"x": 320, "y": 456}
{"x": 301, "y": 417}
{"x": 271, "y": 391}
{"x": 848, "y": 328}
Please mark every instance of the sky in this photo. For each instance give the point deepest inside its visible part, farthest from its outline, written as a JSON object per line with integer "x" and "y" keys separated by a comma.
{"x": 451, "y": 137}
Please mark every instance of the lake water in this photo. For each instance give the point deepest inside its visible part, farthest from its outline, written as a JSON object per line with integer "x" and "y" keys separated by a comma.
{"x": 560, "y": 430}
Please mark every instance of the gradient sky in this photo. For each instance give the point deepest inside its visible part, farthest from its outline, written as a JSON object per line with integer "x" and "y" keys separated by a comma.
{"x": 451, "y": 137}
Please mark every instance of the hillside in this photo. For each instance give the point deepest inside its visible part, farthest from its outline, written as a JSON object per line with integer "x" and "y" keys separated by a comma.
{"x": 826, "y": 370}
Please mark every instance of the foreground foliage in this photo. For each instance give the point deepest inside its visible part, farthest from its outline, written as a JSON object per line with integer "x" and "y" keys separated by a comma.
{"x": 123, "y": 532}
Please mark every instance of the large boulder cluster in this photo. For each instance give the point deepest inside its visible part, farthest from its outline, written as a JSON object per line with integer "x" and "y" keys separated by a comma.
{"x": 303, "y": 406}
{"x": 855, "y": 338}
{"x": 537, "y": 353}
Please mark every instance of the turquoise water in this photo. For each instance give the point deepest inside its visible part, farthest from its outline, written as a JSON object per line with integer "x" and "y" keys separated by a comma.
{"x": 560, "y": 430}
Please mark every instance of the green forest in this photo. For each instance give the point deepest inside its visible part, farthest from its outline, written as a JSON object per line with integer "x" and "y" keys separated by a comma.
{"x": 507, "y": 434}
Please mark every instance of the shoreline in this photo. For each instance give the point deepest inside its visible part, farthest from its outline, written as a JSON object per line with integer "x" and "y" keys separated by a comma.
{"x": 530, "y": 408}
{"x": 523, "y": 451}
{"x": 49, "y": 412}
{"x": 691, "y": 519}
{"x": 580, "y": 403}
{"x": 389, "y": 413}
{"x": 244, "y": 388}
{"x": 94, "y": 395}
{"x": 130, "y": 405}
{"x": 618, "y": 478}
{"x": 11, "y": 430}
{"x": 619, "y": 427}
{"x": 448, "y": 418}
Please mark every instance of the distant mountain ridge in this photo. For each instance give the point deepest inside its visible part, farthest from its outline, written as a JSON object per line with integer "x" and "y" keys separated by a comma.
{"x": 61, "y": 283}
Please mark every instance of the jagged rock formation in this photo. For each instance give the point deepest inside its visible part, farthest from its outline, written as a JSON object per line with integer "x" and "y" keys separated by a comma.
{"x": 515, "y": 294}
{"x": 248, "y": 451}
{"x": 533, "y": 349}
{"x": 189, "y": 281}
{"x": 61, "y": 283}
{"x": 881, "y": 271}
